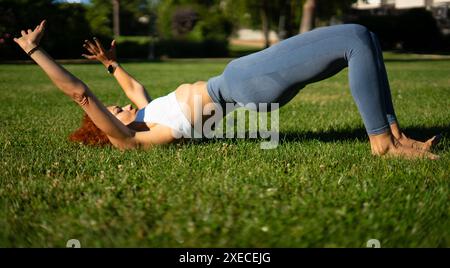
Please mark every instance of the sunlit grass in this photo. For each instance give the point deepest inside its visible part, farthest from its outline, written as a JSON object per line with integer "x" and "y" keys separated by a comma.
{"x": 320, "y": 188}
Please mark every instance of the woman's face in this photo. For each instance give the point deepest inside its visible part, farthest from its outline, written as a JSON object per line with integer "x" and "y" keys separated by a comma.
{"x": 126, "y": 114}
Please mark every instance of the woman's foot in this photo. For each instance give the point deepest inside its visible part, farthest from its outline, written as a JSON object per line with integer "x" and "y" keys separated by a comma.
{"x": 387, "y": 145}
{"x": 418, "y": 144}
{"x": 398, "y": 134}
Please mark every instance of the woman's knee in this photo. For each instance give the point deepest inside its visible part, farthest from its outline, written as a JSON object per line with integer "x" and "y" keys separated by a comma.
{"x": 358, "y": 29}
{"x": 363, "y": 34}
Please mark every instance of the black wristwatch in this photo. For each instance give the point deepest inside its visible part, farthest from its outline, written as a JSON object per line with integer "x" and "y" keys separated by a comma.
{"x": 112, "y": 67}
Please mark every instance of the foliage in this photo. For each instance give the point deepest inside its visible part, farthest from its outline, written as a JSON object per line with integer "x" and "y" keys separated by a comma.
{"x": 183, "y": 21}
{"x": 201, "y": 22}
{"x": 247, "y": 13}
{"x": 327, "y": 9}
{"x": 79, "y": 23}
{"x": 138, "y": 47}
{"x": 193, "y": 20}
{"x": 418, "y": 30}
{"x": 64, "y": 41}
{"x": 100, "y": 17}
{"x": 414, "y": 30}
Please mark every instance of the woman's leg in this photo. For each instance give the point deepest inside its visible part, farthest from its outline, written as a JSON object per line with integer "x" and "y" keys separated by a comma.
{"x": 390, "y": 113}
{"x": 366, "y": 66}
{"x": 276, "y": 74}
{"x": 382, "y": 75}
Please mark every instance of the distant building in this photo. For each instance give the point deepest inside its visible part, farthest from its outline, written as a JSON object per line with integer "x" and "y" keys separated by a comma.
{"x": 400, "y": 4}
{"x": 250, "y": 37}
{"x": 439, "y": 8}
{"x": 373, "y": 4}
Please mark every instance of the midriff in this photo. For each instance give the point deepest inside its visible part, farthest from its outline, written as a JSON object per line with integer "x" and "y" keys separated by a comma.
{"x": 190, "y": 94}
{"x": 186, "y": 95}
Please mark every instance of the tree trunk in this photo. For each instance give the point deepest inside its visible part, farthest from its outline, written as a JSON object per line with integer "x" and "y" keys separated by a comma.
{"x": 116, "y": 21}
{"x": 263, "y": 10}
{"x": 308, "y": 17}
{"x": 151, "y": 44}
{"x": 284, "y": 29}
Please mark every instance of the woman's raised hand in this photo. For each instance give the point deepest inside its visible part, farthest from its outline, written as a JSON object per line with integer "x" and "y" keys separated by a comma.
{"x": 106, "y": 57}
{"x": 31, "y": 38}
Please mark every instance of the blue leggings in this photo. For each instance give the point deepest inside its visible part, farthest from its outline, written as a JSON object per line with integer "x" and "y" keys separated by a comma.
{"x": 276, "y": 74}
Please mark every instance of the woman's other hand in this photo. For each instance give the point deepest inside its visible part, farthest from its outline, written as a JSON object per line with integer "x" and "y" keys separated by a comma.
{"x": 31, "y": 38}
{"x": 106, "y": 57}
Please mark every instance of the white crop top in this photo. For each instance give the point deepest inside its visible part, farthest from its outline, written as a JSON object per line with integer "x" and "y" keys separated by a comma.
{"x": 166, "y": 111}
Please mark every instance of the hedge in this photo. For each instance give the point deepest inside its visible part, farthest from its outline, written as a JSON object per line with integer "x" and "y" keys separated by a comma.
{"x": 138, "y": 47}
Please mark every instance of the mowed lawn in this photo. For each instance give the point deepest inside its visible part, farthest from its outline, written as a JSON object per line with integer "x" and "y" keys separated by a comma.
{"x": 320, "y": 188}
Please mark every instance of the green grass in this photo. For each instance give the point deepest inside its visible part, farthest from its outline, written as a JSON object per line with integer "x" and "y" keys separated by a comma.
{"x": 320, "y": 188}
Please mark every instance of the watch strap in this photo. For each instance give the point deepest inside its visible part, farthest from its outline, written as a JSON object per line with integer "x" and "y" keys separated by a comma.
{"x": 112, "y": 67}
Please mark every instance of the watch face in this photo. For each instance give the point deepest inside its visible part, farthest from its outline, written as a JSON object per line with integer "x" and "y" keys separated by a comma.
{"x": 110, "y": 69}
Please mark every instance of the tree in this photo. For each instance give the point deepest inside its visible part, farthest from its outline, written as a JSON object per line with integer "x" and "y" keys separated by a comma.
{"x": 308, "y": 18}
{"x": 99, "y": 17}
{"x": 61, "y": 42}
{"x": 110, "y": 18}
{"x": 263, "y": 14}
{"x": 322, "y": 9}
{"x": 116, "y": 17}
{"x": 196, "y": 20}
{"x": 286, "y": 18}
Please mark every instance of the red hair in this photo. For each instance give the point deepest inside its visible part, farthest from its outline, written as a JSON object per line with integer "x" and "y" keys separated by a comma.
{"x": 89, "y": 134}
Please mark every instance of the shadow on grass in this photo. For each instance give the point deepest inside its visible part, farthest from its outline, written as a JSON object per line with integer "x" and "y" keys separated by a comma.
{"x": 359, "y": 134}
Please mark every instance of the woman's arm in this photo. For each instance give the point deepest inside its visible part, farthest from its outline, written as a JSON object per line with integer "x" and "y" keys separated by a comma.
{"x": 134, "y": 90}
{"x": 73, "y": 87}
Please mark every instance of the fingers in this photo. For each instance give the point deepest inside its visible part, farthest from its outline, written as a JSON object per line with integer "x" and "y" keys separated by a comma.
{"x": 90, "y": 57}
{"x": 112, "y": 49}
{"x": 433, "y": 141}
{"x": 432, "y": 156}
{"x": 436, "y": 139}
{"x": 99, "y": 45}
{"x": 88, "y": 48}
{"x": 89, "y": 45}
{"x": 16, "y": 40}
{"x": 42, "y": 25}
{"x": 92, "y": 47}
{"x": 29, "y": 31}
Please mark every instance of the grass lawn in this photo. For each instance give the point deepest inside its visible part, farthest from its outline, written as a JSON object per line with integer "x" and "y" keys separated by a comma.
{"x": 320, "y": 188}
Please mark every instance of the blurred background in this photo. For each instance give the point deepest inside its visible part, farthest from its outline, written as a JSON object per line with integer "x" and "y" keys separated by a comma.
{"x": 155, "y": 29}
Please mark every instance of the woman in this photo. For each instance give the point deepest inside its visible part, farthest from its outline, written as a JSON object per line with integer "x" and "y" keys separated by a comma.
{"x": 274, "y": 75}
